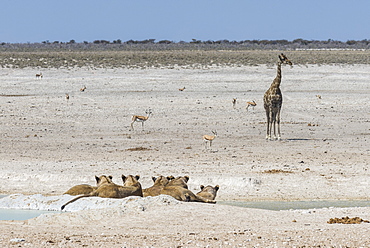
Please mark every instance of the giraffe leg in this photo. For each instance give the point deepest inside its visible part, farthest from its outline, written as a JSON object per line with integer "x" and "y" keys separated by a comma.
{"x": 278, "y": 124}
{"x": 273, "y": 123}
{"x": 268, "y": 135}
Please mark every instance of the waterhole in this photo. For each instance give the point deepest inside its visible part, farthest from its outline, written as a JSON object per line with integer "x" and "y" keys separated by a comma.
{"x": 286, "y": 205}
{"x": 20, "y": 214}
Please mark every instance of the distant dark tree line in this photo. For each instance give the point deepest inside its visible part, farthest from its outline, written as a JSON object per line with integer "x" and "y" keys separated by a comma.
{"x": 258, "y": 42}
{"x": 152, "y": 44}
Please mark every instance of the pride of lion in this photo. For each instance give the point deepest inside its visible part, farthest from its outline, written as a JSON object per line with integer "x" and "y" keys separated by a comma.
{"x": 175, "y": 187}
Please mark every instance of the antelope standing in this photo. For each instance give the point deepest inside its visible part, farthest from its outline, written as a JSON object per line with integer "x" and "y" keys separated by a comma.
{"x": 182, "y": 89}
{"x": 83, "y": 89}
{"x": 67, "y": 96}
{"x": 234, "y": 102}
{"x": 252, "y": 103}
{"x": 39, "y": 75}
{"x": 142, "y": 119}
{"x": 209, "y": 138}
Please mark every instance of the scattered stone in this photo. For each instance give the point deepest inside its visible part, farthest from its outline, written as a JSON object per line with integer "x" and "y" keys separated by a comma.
{"x": 17, "y": 240}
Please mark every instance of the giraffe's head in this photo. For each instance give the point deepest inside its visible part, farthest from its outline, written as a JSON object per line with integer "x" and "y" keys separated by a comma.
{"x": 285, "y": 60}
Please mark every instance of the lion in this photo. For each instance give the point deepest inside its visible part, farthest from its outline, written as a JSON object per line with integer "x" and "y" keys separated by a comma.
{"x": 84, "y": 189}
{"x": 131, "y": 187}
{"x": 178, "y": 189}
{"x": 159, "y": 183}
{"x": 182, "y": 194}
{"x": 181, "y": 181}
{"x": 208, "y": 192}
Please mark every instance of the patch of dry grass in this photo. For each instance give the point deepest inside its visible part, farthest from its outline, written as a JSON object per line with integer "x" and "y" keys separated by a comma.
{"x": 174, "y": 58}
{"x": 14, "y": 95}
{"x": 347, "y": 220}
{"x": 274, "y": 171}
{"x": 140, "y": 148}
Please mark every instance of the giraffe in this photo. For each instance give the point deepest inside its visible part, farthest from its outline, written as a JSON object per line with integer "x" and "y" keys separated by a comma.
{"x": 273, "y": 100}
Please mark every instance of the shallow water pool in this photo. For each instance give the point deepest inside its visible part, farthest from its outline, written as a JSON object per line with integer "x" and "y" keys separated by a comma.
{"x": 286, "y": 205}
{"x": 21, "y": 214}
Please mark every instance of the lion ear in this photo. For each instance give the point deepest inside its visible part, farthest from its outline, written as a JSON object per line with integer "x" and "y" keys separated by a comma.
{"x": 170, "y": 178}
{"x": 124, "y": 178}
{"x": 97, "y": 179}
{"x": 201, "y": 187}
{"x": 154, "y": 179}
{"x": 217, "y": 187}
{"x": 137, "y": 177}
{"x": 110, "y": 177}
{"x": 187, "y": 178}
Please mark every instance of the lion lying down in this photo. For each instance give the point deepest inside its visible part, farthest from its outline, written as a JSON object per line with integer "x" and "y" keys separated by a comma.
{"x": 178, "y": 189}
{"x": 84, "y": 189}
{"x": 181, "y": 181}
{"x": 208, "y": 192}
{"x": 108, "y": 189}
{"x": 159, "y": 183}
{"x": 182, "y": 194}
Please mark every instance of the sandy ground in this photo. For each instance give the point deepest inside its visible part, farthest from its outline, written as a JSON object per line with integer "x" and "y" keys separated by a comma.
{"x": 48, "y": 144}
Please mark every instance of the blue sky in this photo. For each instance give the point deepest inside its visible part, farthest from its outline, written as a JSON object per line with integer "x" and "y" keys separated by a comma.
{"x": 176, "y": 20}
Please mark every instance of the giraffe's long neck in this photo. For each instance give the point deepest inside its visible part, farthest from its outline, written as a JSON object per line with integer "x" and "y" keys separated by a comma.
{"x": 277, "y": 80}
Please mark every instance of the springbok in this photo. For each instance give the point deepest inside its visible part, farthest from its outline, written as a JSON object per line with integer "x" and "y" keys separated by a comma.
{"x": 83, "y": 89}
{"x": 182, "y": 89}
{"x": 252, "y": 103}
{"x": 209, "y": 138}
{"x": 234, "y": 102}
{"x": 39, "y": 75}
{"x": 142, "y": 119}
{"x": 67, "y": 96}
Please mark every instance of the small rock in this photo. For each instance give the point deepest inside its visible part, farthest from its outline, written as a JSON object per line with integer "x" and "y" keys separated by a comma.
{"x": 17, "y": 240}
